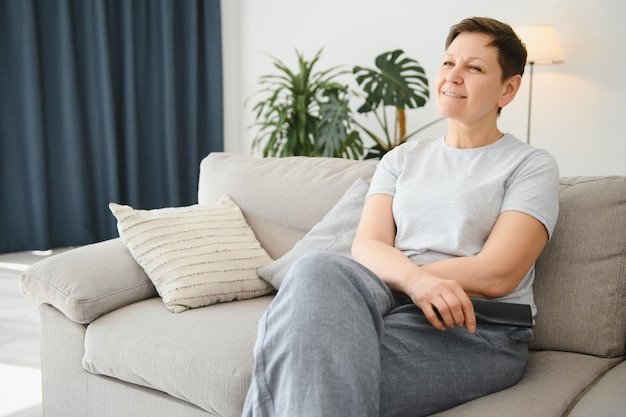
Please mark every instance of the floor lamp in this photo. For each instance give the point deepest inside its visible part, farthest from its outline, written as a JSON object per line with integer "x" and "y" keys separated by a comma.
{"x": 543, "y": 47}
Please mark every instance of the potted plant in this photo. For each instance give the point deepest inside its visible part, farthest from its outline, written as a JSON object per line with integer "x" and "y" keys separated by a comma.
{"x": 305, "y": 112}
{"x": 400, "y": 83}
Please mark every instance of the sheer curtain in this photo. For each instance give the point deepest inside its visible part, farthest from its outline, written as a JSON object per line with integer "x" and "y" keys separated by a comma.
{"x": 100, "y": 101}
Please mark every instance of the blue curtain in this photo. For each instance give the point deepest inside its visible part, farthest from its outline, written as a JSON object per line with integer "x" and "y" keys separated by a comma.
{"x": 100, "y": 101}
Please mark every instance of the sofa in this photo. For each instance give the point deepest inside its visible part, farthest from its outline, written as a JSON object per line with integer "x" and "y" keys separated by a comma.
{"x": 111, "y": 347}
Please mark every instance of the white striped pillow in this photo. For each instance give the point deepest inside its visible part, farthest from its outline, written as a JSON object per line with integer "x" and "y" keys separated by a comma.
{"x": 196, "y": 255}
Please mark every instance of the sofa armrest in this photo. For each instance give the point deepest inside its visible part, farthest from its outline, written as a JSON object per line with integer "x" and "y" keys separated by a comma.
{"x": 88, "y": 282}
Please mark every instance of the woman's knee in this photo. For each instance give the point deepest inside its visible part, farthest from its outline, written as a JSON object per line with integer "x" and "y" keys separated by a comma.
{"x": 315, "y": 267}
{"x": 336, "y": 276}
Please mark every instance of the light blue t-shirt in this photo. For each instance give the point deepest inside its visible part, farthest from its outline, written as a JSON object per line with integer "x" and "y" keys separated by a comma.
{"x": 447, "y": 200}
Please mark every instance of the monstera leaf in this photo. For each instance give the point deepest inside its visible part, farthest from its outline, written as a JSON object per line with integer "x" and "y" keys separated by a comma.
{"x": 398, "y": 81}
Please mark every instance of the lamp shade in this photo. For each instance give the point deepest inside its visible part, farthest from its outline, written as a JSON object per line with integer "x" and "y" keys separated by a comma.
{"x": 542, "y": 44}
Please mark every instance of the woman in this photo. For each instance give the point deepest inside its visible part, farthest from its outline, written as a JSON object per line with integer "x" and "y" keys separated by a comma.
{"x": 393, "y": 332}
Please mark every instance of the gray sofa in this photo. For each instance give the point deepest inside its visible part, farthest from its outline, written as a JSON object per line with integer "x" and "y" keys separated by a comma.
{"x": 110, "y": 348}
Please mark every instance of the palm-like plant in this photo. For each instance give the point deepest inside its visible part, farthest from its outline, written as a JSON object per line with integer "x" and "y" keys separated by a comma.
{"x": 399, "y": 82}
{"x": 305, "y": 113}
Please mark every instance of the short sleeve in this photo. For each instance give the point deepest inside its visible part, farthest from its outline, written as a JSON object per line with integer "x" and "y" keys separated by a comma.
{"x": 534, "y": 190}
{"x": 387, "y": 173}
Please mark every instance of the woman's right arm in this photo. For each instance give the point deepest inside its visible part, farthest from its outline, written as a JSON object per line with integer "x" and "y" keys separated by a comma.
{"x": 373, "y": 247}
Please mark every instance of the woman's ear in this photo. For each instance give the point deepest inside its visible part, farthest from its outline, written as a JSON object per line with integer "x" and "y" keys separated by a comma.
{"x": 510, "y": 89}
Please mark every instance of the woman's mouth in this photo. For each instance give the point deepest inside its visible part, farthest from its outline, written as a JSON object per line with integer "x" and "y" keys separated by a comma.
{"x": 451, "y": 94}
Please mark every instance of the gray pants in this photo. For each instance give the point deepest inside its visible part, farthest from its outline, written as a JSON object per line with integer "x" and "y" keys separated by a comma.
{"x": 336, "y": 343}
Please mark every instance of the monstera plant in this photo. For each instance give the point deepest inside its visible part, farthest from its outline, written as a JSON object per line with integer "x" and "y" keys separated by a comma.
{"x": 305, "y": 112}
{"x": 398, "y": 83}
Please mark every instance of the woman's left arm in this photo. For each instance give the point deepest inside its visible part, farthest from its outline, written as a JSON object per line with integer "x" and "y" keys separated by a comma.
{"x": 511, "y": 249}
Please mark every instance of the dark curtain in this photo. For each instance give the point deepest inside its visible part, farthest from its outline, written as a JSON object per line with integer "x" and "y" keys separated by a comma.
{"x": 100, "y": 101}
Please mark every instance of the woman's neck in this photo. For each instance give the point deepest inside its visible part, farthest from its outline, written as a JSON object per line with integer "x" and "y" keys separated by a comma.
{"x": 464, "y": 137}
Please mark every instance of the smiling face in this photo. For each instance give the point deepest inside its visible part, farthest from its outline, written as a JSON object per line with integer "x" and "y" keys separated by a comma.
{"x": 469, "y": 83}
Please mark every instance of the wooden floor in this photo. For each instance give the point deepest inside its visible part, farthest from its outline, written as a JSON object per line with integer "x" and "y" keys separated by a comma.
{"x": 20, "y": 364}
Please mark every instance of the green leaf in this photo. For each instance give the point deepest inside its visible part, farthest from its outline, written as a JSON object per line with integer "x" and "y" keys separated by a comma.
{"x": 303, "y": 112}
{"x": 398, "y": 82}
{"x": 332, "y": 130}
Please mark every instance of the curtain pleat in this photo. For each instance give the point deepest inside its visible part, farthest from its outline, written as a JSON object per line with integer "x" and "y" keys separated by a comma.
{"x": 102, "y": 101}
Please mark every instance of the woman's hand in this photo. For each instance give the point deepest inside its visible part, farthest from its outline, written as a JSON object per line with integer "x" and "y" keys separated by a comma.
{"x": 443, "y": 302}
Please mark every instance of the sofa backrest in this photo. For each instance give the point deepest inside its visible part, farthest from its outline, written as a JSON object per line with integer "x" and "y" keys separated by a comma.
{"x": 580, "y": 283}
{"x": 281, "y": 198}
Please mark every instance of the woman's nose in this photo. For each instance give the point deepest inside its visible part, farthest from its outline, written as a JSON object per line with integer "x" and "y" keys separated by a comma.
{"x": 453, "y": 76}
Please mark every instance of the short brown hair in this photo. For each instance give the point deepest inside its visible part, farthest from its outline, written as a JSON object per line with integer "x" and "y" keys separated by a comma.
{"x": 511, "y": 50}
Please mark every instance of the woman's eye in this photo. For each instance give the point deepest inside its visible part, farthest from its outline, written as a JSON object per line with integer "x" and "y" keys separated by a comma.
{"x": 475, "y": 68}
{"x": 448, "y": 64}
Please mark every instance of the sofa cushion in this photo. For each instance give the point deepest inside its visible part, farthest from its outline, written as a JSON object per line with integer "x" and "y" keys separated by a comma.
{"x": 84, "y": 283}
{"x": 203, "y": 356}
{"x": 606, "y": 398}
{"x": 580, "y": 284}
{"x": 196, "y": 255}
{"x": 334, "y": 233}
{"x": 281, "y": 198}
{"x": 550, "y": 387}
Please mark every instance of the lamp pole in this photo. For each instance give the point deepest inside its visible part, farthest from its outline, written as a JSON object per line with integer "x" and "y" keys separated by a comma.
{"x": 543, "y": 47}
{"x": 530, "y": 100}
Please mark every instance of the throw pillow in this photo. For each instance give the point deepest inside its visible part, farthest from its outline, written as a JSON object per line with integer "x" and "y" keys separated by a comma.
{"x": 334, "y": 233}
{"x": 196, "y": 255}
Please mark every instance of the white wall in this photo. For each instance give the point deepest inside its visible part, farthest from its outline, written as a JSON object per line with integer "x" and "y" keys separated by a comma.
{"x": 578, "y": 106}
